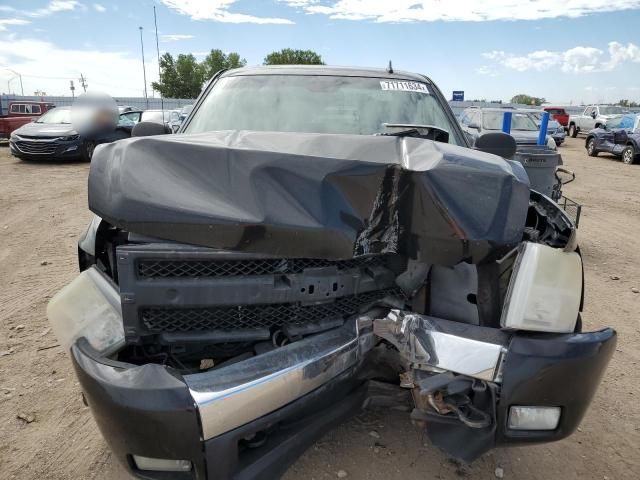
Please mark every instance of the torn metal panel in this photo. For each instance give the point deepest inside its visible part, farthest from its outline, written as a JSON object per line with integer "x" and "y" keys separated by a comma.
{"x": 430, "y": 343}
{"x": 312, "y": 195}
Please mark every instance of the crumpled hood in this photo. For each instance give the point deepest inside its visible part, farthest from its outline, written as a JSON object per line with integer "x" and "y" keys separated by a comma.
{"x": 46, "y": 130}
{"x": 312, "y": 195}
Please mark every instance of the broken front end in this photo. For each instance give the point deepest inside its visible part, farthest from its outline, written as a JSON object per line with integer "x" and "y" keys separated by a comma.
{"x": 241, "y": 293}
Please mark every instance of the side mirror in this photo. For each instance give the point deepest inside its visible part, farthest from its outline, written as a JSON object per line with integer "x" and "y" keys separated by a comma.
{"x": 497, "y": 143}
{"x": 474, "y": 125}
{"x": 147, "y": 129}
{"x": 593, "y": 115}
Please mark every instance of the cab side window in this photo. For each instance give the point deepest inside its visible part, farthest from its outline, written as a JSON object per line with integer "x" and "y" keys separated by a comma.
{"x": 35, "y": 109}
{"x": 15, "y": 108}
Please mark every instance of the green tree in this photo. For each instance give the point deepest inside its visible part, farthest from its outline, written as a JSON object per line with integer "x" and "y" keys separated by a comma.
{"x": 623, "y": 103}
{"x": 288, "y": 56}
{"x": 217, "y": 60}
{"x": 180, "y": 78}
{"x": 528, "y": 100}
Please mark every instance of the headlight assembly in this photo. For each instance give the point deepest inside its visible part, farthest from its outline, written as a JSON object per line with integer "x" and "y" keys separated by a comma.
{"x": 544, "y": 291}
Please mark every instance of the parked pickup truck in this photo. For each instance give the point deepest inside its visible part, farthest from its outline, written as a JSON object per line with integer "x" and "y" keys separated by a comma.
{"x": 594, "y": 116}
{"x": 21, "y": 113}
{"x": 263, "y": 274}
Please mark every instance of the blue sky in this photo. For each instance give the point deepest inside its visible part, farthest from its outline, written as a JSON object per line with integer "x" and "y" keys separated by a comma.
{"x": 566, "y": 51}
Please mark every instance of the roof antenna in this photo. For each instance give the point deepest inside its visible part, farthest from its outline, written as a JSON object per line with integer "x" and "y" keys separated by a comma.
{"x": 390, "y": 67}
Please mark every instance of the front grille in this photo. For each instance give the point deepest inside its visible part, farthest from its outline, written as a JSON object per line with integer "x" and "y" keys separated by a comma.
{"x": 257, "y": 316}
{"x": 38, "y": 148}
{"x": 232, "y": 268}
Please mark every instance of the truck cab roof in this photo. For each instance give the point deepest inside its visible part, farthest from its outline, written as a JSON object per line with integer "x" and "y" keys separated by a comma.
{"x": 326, "y": 70}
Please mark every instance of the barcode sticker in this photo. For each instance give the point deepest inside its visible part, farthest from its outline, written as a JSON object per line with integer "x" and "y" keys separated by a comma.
{"x": 403, "y": 86}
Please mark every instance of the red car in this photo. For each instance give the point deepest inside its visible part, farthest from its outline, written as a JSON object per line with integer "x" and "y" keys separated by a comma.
{"x": 21, "y": 113}
{"x": 559, "y": 115}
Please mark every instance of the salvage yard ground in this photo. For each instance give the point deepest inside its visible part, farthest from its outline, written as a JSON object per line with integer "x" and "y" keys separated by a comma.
{"x": 47, "y": 433}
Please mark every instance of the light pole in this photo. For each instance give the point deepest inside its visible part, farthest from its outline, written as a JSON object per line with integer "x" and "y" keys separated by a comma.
{"x": 17, "y": 75}
{"x": 155, "y": 21}
{"x": 144, "y": 71}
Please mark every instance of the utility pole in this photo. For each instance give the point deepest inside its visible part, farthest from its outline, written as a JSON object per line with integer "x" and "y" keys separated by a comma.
{"x": 17, "y": 75}
{"x": 144, "y": 71}
{"x": 83, "y": 82}
{"x": 72, "y": 87}
{"x": 155, "y": 21}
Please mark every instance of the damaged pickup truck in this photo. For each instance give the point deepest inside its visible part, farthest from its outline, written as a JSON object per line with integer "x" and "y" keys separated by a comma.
{"x": 313, "y": 241}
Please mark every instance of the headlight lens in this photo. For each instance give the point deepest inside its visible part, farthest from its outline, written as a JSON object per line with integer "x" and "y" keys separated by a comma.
{"x": 544, "y": 291}
{"x": 68, "y": 138}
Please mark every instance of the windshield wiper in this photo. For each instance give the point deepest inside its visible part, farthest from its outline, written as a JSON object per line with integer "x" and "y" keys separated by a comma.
{"x": 429, "y": 132}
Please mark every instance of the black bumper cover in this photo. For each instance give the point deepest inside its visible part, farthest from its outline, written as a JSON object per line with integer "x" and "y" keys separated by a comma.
{"x": 148, "y": 410}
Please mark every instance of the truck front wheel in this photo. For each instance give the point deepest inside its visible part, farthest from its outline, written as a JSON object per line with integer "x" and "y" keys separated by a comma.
{"x": 573, "y": 131}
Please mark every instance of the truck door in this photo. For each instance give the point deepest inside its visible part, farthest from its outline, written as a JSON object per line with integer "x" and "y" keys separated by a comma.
{"x": 587, "y": 122}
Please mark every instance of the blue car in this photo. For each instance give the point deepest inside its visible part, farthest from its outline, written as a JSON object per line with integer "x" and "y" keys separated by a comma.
{"x": 621, "y": 137}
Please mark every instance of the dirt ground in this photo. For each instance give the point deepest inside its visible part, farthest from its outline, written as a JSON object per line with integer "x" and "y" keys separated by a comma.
{"x": 43, "y": 208}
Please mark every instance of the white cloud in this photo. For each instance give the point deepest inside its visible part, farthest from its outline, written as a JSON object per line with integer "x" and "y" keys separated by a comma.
{"x": 11, "y": 21}
{"x": 218, "y": 11}
{"x": 581, "y": 60}
{"x": 574, "y": 60}
{"x": 175, "y": 37}
{"x": 460, "y": 10}
{"x": 54, "y": 6}
{"x": 99, "y": 8}
{"x": 46, "y": 66}
{"x": 619, "y": 53}
{"x": 486, "y": 70}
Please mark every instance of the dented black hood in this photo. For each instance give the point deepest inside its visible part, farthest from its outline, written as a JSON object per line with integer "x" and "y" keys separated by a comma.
{"x": 312, "y": 195}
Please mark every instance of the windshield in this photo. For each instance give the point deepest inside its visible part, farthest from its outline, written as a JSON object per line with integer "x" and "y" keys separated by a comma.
{"x": 611, "y": 111}
{"x": 156, "y": 116}
{"x": 519, "y": 121}
{"x": 57, "y": 115}
{"x": 317, "y": 104}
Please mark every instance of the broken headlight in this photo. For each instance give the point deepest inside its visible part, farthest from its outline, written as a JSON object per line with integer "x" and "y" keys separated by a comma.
{"x": 545, "y": 290}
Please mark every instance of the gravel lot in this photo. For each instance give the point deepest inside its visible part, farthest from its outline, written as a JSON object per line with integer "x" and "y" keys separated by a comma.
{"x": 43, "y": 208}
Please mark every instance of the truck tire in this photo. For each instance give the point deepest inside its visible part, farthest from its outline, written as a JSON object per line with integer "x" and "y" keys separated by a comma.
{"x": 629, "y": 155}
{"x": 591, "y": 148}
{"x": 573, "y": 131}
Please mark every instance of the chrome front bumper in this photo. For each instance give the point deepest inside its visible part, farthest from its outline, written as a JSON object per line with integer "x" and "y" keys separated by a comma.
{"x": 235, "y": 395}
